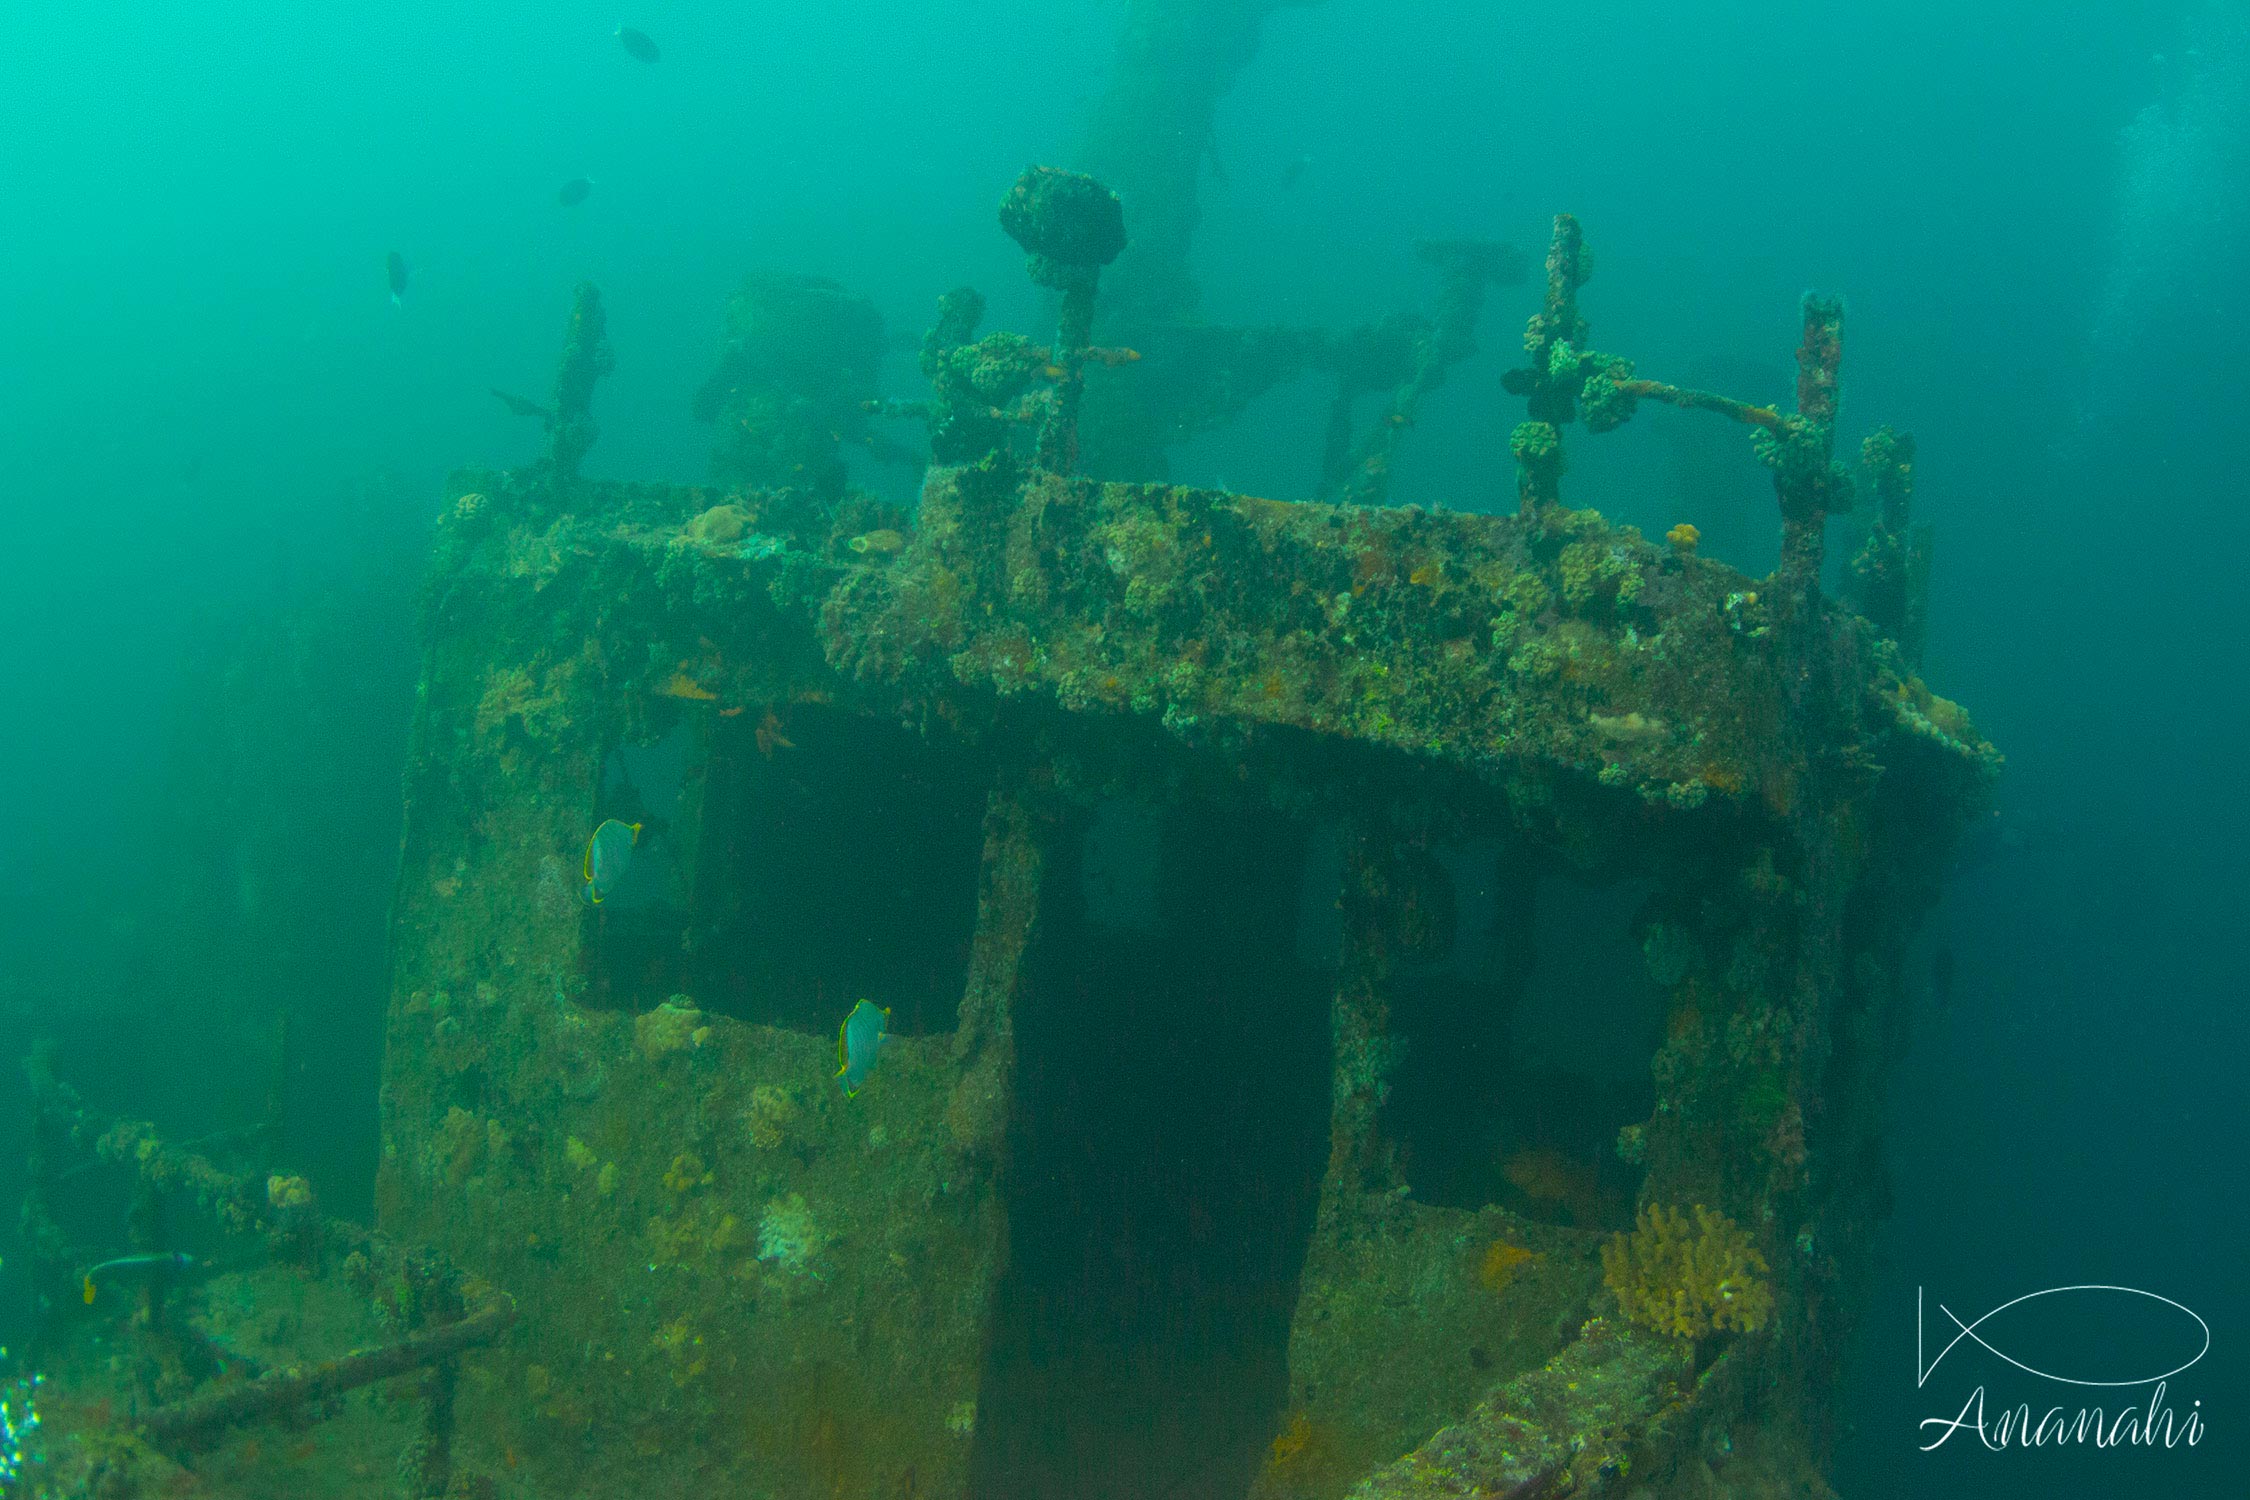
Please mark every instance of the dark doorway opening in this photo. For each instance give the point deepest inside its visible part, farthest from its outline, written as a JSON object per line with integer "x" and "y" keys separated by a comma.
{"x": 1528, "y": 1035}
{"x": 1170, "y": 1130}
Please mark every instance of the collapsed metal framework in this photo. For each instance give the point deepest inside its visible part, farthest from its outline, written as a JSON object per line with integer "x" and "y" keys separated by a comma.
{"x": 189, "y": 1392}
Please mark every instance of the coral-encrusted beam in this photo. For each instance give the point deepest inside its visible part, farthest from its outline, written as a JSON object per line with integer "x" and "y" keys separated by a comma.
{"x": 1802, "y": 451}
{"x": 1694, "y": 400}
{"x": 1818, "y": 354}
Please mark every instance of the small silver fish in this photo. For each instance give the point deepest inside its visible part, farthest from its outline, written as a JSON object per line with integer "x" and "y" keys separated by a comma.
{"x": 609, "y": 853}
{"x": 859, "y": 1042}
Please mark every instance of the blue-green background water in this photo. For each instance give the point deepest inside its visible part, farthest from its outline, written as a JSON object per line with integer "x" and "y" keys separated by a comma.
{"x": 215, "y": 428}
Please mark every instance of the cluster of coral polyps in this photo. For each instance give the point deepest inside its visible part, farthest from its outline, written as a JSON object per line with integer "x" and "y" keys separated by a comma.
{"x": 1688, "y": 1278}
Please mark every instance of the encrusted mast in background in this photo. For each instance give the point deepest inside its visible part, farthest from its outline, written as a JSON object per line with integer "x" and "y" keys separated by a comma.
{"x": 586, "y": 358}
{"x": 1149, "y": 137}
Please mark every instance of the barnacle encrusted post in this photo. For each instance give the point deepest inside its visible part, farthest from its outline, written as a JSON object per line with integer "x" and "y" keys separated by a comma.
{"x": 1806, "y": 477}
{"x": 1688, "y": 1278}
{"x": 1070, "y": 226}
{"x": 1557, "y": 322}
{"x": 1892, "y": 570}
{"x": 1537, "y": 450}
{"x": 977, "y": 389}
{"x": 1550, "y": 382}
{"x": 586, "y": 358}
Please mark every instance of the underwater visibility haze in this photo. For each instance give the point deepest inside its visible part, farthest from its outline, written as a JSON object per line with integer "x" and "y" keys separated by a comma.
{"x": 1153, "y": 750}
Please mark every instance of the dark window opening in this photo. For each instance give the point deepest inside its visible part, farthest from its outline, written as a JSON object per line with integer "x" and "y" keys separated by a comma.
{"x": 1171, "y": 1126}
{"x": 838, "y": 861}
{"x": 1529, "y": 1023}
{"x": 633, "y": 948}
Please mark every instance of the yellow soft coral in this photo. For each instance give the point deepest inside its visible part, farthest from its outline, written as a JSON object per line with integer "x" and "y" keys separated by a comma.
{"x": 1688, "y": 1278}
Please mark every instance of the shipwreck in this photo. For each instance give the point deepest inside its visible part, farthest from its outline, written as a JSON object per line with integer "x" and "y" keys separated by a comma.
{"x": 1382, "y": 1001}
{"x": 1309, "y": 929}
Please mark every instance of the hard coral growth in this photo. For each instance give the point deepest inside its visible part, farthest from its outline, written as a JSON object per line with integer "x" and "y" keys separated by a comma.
{"x": 675, "y": 1026}
{"x": 787, "y": 1235}
{"x": 1688, "y": 1278}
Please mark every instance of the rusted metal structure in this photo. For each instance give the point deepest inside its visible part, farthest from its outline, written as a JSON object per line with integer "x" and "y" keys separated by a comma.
{"x": 1382, "y": 1001}
{"x": 1308, "y": 930}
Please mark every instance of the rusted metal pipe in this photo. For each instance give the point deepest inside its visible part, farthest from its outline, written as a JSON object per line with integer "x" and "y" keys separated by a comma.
{"x": 284, "y": 1390}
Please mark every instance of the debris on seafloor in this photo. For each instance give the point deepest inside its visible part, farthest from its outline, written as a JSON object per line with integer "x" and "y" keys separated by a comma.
{"x": 169, "y": 1387}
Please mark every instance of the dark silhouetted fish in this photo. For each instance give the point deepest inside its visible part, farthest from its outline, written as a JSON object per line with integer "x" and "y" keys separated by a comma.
{"x": 574, "y": 191}
{"x": 523, "y": 406}
{"x": 1293, "y": 170}
{"x": 1941, "y": 977}
{"x": 638, "y": 43}
{"x": 396, "y": 266}
{"x": 140, "y": 1266}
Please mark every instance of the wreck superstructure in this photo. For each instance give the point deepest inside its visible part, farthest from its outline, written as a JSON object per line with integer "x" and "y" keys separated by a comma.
{"x": 1383, "y": 1001}
{"x": 1308, "y": 929}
